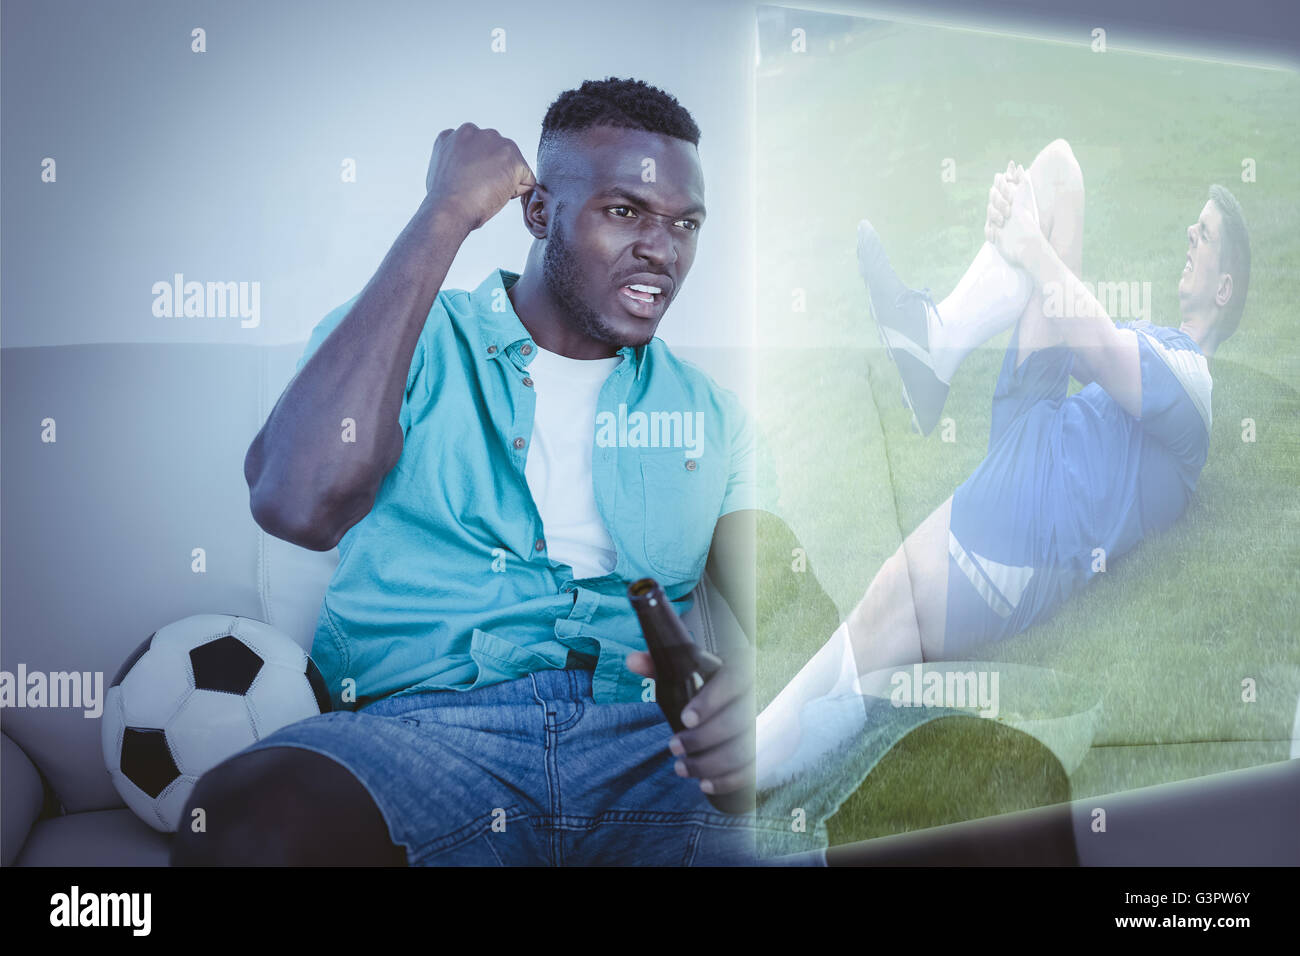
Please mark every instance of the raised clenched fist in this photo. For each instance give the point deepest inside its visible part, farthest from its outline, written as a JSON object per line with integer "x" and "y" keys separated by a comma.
{"x": 474, "y": 172}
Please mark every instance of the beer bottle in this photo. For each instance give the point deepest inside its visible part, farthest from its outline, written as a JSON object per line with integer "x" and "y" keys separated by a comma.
{"x": 681, "y": 669}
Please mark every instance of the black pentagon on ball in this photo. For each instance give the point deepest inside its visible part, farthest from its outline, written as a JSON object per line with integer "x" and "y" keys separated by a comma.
{"x": 130, "y": 661}
{"x": 318, "y": 687}
{"x": 226, "y": 664}
{"x": 146, "y": 760}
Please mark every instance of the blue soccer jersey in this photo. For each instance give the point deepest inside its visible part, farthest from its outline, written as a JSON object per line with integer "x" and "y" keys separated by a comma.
{"x": 1071, "y": 483}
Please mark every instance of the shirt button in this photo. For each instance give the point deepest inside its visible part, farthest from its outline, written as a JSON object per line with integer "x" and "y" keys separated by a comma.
{"x": 528, "y": 381}
{"x": 540, "y": 545}
{"x": 492, "y": 350}
{"x": 526, "y": 350}
{"x": 519, "y": 443}
{"x": 691, "y": 464}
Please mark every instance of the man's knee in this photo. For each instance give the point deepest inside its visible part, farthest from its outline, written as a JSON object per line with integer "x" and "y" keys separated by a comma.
{"x": 282, "y": 806}
{"x": 1059, "y": 158}
{"x": 240, "y": 813}
{"x": 1058, "y": 190}
{"x": 1057, "y": 169}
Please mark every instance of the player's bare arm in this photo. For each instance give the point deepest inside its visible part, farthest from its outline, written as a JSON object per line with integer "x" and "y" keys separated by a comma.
{"x": 1110, "y": 355}
{"x": 305, "y": 485}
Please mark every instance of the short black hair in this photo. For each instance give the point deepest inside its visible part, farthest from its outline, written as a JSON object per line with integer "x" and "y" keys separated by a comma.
{"x": 630, "y": 104}
{"x": 1234, "y": 257}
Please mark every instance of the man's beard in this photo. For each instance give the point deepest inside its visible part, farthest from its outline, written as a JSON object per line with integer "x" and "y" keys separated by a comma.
{"x": 563, "y": 281}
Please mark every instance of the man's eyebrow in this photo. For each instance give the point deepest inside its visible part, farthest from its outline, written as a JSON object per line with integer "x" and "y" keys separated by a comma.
{"x": 616, "y": 192}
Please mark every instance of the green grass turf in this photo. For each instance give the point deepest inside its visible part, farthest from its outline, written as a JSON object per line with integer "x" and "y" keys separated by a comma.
{"x": 1175, "y": 626}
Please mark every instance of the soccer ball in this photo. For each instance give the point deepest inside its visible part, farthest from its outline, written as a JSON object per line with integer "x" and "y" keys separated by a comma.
{"x": 198, "y": 691}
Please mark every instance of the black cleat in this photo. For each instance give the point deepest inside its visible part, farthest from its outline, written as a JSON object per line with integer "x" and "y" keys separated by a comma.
{"x": 901, "y": 315}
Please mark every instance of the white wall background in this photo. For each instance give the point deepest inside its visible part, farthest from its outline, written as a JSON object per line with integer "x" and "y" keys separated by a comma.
{"x": 225, "y": 165}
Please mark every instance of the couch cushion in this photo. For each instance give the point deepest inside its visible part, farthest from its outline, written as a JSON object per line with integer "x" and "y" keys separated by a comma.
{"x": 99, "y": 525}
{"x": 95, "y": 838}
{"x": 21, "y": 795}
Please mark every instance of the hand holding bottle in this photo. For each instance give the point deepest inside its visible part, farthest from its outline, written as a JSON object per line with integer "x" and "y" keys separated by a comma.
{"x": 712, "y": 700}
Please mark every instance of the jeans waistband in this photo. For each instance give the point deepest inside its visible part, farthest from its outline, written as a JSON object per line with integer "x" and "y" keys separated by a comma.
{"x": 567, "y": 684}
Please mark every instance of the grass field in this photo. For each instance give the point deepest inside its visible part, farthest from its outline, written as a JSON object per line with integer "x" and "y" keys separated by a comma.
{"x": 1173, "y": 628}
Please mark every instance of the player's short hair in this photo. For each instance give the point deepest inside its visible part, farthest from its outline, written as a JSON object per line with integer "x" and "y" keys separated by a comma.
{"x": 630, "y": 104}
{"x": 1234, "y": 257}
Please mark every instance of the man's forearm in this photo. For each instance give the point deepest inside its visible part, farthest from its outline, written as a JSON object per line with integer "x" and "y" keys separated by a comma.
{"x": 1105, "y": 356}
{"x": 306, "y": 484}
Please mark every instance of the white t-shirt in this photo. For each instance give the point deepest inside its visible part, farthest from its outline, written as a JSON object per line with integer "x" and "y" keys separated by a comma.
{"x": 558, "y": 467}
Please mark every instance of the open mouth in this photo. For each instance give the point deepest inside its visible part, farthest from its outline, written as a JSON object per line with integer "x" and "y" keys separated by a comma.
{"x": 642, "y": 300}
{"x": 1188, "y": 268}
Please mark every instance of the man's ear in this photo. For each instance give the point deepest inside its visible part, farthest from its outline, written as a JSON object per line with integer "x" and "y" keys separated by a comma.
{"x": 1224, "y": 293}
{"x": 537, "y": 206}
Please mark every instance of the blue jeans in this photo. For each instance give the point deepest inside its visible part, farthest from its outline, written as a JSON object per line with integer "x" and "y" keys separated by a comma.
{"x": 528, "y": 772}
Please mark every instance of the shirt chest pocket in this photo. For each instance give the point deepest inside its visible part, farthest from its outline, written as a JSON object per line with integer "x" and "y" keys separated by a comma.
{"x": 681, "y": 499}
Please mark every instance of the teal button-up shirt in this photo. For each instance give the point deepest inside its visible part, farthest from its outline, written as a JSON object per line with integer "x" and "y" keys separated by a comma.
{"x": 447, "y": 582}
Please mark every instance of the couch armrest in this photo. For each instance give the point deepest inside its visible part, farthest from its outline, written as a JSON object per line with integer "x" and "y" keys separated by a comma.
{"x": 22, "y": 795}
{"x": 712, "y": 623}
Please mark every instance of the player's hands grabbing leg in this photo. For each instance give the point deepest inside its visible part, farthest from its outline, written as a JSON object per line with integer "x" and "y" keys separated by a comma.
{"x": 999, "y": 207}
{"x": 1012, "y": 224}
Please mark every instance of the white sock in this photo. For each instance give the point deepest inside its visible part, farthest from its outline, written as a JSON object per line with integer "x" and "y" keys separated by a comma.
{"x": 819, "y": 709}
{"x": 988, "y": 300}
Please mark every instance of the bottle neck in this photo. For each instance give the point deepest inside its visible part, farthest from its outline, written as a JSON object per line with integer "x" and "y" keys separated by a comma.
{"x": 656, "y": 613}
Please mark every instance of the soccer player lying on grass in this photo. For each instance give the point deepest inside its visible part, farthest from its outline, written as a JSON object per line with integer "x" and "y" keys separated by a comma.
{"x": 1063, "y": 476}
